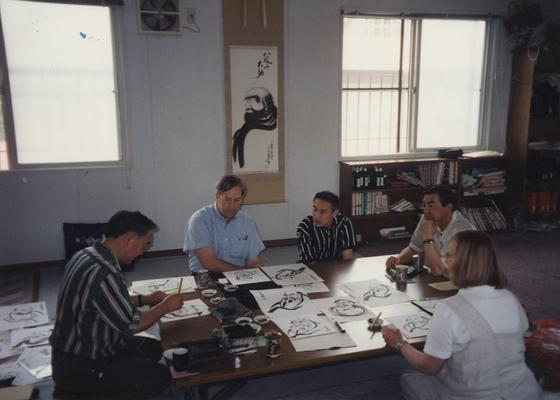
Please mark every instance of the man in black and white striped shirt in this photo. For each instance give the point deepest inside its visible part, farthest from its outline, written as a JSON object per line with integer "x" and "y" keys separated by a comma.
{"x": 327, "y": 234}
{"x": 94, "y": 350}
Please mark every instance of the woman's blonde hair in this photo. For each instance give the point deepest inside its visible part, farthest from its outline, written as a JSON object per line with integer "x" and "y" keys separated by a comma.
{"x": 476, "y": 263}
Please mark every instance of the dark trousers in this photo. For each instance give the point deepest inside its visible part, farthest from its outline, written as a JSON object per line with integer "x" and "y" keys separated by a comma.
{"x": 134, "y": 373}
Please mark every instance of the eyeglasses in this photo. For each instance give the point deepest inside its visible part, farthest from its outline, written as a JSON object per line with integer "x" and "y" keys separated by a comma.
{"x": 235, "y": 201}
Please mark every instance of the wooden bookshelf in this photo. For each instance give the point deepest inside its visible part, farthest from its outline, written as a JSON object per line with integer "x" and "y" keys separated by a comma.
{"x": 368, "y": 220}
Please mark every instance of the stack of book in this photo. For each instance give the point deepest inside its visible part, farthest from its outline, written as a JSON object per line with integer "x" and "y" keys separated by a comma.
{"x": 484, "y": 181}
{"x": 369, "y": 203}
{"x": 394, "y": 233}
{"x": 402, "y": 205}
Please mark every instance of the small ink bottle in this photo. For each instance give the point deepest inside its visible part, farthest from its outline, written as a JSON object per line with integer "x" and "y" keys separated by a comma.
{"x": 203, "y": 279}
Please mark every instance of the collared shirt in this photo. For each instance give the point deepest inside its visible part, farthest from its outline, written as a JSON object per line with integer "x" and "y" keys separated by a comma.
{"x": 94, "y": 312}
{"x": 324, "y": 243}
{"x": 441, "y": 238}
{"x": 235, "y": 242}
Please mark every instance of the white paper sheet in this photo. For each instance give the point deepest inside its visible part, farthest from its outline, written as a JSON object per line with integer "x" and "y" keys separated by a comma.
{"x": 37, "y": 361}
{"x": 20, "y": 374}
{"x": 6, "y": 349}
{"x": 428, "y": 305}
{"x": 190, "y": 309}
{"x": 374, "y": 293}
{"x": 291, "y": 274}
{"x": 285, "y": 302}
{"x": 305, "y": 326}
{"x": 333, "y": 341}
{"x": 246, "y": 276}
{"x": 412, "y": 325}
{"x": 23, "y": 315}
{"x": 31, "y": 337}
{"x": 167, "y": 285}
{"x": 344, "y": 309}
{"x": 317, "y": 287}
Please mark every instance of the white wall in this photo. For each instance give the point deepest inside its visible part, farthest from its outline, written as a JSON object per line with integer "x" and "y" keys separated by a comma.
{"x": 176, "y": 130}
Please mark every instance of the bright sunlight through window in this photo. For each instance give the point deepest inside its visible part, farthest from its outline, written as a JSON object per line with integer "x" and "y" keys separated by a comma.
{"x": 411, "y": 85}
{"x": 63, "y": 86}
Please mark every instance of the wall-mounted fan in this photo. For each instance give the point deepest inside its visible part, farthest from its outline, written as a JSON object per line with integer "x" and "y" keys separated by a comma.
{"x": 159, "y": 17}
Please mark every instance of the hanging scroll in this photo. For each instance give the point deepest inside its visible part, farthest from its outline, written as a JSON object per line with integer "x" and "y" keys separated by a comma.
{"x": 253, "y": 53}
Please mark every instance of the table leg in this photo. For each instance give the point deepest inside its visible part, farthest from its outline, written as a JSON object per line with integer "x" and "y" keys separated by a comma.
{"x": 191, "y": 393}
{"x": 203, "y": 392}
{"x": 229, "y": 390}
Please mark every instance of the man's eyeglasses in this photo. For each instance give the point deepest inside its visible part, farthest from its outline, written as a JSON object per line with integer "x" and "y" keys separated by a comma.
{"x": 235, "y": 201}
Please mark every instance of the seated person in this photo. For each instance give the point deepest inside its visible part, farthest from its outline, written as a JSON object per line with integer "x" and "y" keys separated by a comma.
{"x": 475, "y": 348}
{"x": 327, "y": 234}
{"x": 94, "y": 350}
{"x": 436, "y": 227}
{"x": 221, "y": 237}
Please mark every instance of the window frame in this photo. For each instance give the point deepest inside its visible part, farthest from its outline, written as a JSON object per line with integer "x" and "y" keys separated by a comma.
{"x": 118, "y": 73}
{"x": 488, "y": 68}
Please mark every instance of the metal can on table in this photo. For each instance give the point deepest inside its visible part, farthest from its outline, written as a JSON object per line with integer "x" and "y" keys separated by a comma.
{"x": 273, "y": 344}
{"x": 203, "y": 279}
{"x": 402, "y": 271}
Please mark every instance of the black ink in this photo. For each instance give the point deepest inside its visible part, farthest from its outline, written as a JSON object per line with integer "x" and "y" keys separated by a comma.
{"x": 260, "y": 113}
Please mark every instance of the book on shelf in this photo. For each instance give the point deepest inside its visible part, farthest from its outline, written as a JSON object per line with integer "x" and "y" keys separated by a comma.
{"x": 541, "y": 202}
{"x": 531, "y": 201}
{"x": 482, "y": 153}
{"x": 438, "y": 173}
{"x": 402, "y": 205}
{"x": 410, "y": 177}
{"x": 544, "y": 202}
{"x": 486, "y": 218}
{"x": 485, "y": 190}
{"x": 394, "y": 232}
{"x": 369, "y": 203}
{"x": 555, "y": 196}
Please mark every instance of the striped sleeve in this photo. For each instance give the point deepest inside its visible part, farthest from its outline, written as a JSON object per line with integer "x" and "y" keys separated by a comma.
{"x": 115, "y": 306}
{"x": 305, "y": 246}
{"x": 348, "y": 240}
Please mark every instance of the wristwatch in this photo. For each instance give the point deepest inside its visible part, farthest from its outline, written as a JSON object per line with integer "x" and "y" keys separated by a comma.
{"x": 399, "y": 345}
{"x": 428, "y": 241}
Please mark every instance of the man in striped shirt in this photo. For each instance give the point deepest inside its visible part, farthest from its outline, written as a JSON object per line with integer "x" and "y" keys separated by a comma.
{"x": 327, "y": 234}
{"x": 94, "y": 350}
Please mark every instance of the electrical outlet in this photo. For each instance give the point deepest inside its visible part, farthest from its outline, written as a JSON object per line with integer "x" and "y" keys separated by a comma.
{"x": 191, "y": 16}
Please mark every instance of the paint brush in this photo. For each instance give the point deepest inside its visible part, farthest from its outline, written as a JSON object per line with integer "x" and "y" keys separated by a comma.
{"x": 389, "y": 277}
{"x": 373, "y": 325}
{"x": 339, "y": 327}
{"x": 180, "y": 286}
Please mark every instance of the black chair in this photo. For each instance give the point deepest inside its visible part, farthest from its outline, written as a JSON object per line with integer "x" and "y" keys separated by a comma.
{"x": 81, "y": 235}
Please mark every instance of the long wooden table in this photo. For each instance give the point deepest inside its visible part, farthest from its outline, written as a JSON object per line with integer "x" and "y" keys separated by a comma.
{"x": 255, "y": 365}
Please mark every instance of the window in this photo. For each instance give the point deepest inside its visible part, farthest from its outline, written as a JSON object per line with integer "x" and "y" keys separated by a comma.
{"x": 63, "y": 91}
{"x": 412, "y": 85}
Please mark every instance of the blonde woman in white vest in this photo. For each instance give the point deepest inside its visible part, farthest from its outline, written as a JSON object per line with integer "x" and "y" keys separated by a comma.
{"x": 475, "y": 348}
